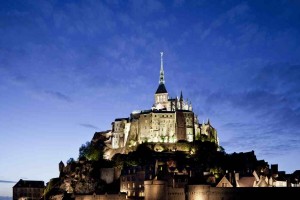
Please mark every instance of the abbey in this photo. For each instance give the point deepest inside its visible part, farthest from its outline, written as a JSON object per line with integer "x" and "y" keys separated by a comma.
{"x": 164, "y": 153}
{"x": 168, "y": 121}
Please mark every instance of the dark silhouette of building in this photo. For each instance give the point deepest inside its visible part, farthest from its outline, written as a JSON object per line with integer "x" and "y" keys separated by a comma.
{"x": 28, "y": 189}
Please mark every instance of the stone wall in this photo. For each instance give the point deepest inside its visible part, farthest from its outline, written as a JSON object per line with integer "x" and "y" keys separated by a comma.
{"x": 101, "y": 197}
{"x": 158, "y": 190}
{"x": 155, "y": 190}
{"x": 203, "y": 192}
{"x": 176, "y": 193}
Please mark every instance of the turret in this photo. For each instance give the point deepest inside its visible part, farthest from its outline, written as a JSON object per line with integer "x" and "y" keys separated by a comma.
{"x": 61, "y": 167}
{"x": 181, "y": 101}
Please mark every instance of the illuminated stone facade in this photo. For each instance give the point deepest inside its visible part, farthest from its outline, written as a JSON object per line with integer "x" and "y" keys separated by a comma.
{"x": 168, "y": 121}
{"x": 132, "y": 181}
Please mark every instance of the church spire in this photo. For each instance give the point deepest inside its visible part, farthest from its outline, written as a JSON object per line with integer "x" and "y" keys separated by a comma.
{"x": 181, "y": 96}
{"x": 161, "y": 74}
{"x": 161, "y": 87}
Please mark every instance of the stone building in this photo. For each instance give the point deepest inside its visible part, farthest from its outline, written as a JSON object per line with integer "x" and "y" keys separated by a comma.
{"x": 28, "y": 189}
{"x": 169, "y": 120}
{"x": 132, "y": 180}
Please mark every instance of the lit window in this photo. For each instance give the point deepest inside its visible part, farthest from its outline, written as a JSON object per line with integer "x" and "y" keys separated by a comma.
{"x": 224, "y": 184}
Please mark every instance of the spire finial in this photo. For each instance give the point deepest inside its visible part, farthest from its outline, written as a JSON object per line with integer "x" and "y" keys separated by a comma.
{"x": 181, "y": 96}
{"x": 161, "y": 75}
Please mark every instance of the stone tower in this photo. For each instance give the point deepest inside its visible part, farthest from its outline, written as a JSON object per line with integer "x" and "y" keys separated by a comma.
{"x": 161, "y": 94}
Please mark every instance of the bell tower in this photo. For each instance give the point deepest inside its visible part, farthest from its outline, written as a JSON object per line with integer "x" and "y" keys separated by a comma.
{"x": 161, "y": 94}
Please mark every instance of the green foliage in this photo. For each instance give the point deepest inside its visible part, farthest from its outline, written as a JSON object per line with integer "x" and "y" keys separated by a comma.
{"x": 136, "y": 157}
{"x": 51, "y": 185}
{"x": 207, "y": 155}
{"x": 119, "y": 159}
{"x": 91, "y": 151}
{"x": 140, "y": 157}
{"x": 241, "y": 161}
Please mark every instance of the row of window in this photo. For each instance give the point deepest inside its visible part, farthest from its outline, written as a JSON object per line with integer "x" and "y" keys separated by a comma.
{"x": 161, "y": 98}
{"x": 132, "y": 178}
{"x": 176, "y": 193}
{"x": 132, "y": 193}
{"x": 131, "y": 186}
{"x": 160, "y": 115}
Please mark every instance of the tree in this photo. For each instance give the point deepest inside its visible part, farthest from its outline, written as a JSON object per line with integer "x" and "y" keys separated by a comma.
{"x": 140, "y": 157}
{"x": 91, "y": 150}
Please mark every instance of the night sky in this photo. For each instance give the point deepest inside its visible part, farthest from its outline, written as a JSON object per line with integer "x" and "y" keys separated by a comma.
{"x": 69, "y": 68}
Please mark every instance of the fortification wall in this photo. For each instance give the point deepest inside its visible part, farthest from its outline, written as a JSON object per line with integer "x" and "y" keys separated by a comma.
{"x": 155, "y": 190}
{"x": 176, "y": 193}
{"x": 101, "y": 197}
{"x": 195, "y": 192}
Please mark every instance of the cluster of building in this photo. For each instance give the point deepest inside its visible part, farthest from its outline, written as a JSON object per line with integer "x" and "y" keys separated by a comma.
{"x": 169, "y": 121}
{"x": 142, "y": 183}
{"x": 171, "y": 183}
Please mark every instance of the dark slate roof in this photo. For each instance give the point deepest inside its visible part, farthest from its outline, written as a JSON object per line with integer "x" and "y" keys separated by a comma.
{"x": 162, "y": 111}
{"x": 161, "y": 89}
{"x": 121, "y": 119}
{"x": 146, "y": 111}
{"x": 29, "y": 183}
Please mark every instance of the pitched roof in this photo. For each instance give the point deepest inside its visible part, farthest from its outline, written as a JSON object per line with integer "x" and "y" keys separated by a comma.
{"x": 161, "y": 89}
{"x": 224, "y": 180}
{"x": 30, "y": 183}
{"x": 246, "y": 181}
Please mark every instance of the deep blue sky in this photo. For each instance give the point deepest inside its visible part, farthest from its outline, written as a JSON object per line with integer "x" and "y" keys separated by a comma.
{"x": 69, "y": 68}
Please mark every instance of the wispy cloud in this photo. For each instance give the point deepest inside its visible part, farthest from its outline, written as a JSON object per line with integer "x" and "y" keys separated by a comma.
{"x": 88, "y": 126}
{"x": 58, "y": 95}
{"x": 5, "y": 181}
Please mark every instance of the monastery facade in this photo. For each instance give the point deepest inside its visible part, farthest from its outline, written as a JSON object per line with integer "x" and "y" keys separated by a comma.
{"x": 168, "y": 121}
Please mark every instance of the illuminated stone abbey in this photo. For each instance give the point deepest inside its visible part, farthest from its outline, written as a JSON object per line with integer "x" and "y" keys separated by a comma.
{"x": 164, "y": 153}
{"x": 168, "y": 121}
